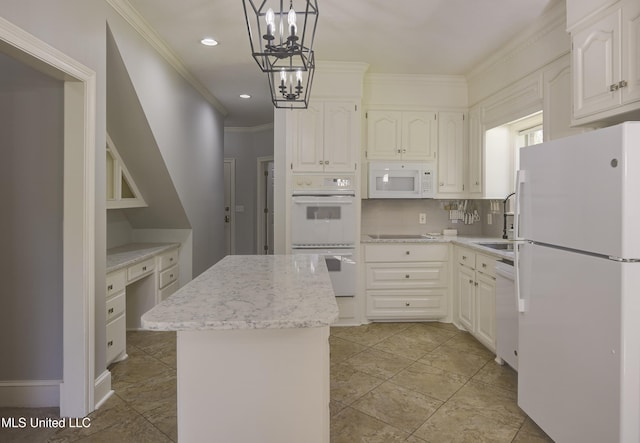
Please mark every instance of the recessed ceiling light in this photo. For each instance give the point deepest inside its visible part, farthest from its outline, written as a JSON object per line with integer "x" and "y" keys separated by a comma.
{"x": 208, "y": 41}
{"x": 245, "y": 96}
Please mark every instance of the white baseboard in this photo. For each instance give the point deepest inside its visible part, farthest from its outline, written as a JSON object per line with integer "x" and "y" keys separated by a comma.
{"x": 30, "y": 393}
{"x": 102, "y": 390}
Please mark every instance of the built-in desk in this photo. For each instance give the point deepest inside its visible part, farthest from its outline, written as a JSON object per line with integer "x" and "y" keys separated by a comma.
{"x": 252, "y": 350}
{"x": 139, "y": 276}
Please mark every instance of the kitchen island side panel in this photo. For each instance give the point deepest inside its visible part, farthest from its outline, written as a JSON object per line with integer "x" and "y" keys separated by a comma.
{"x": 266, "y": 385}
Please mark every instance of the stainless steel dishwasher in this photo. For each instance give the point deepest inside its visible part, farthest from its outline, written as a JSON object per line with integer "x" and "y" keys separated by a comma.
{"x": 506, "y": 314}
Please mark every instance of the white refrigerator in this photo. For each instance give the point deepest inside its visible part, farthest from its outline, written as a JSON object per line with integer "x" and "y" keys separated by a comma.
{"x": 578, "y": 285}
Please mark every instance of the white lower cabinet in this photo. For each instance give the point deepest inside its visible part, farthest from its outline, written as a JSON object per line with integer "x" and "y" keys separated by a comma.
{"x": 116, "y": 320}
{"x": 406, "y": 281}
{"x": 475, "y": 287}
{"x": 159, "y": 274}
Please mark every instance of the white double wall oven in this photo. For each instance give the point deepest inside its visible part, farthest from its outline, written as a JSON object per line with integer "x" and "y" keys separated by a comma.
{"x": 323, "y": 222}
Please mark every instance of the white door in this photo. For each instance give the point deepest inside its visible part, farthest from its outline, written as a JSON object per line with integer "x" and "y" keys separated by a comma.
{"x": 339, "y": 136}
{"x": 229, "y": 204}
{"x": 451, "y": 158}
{"x": 419, "y": 135}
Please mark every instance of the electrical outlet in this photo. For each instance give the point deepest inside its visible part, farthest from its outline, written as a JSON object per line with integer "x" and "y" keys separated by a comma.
{"x": 422, "y": 218}
{"x": 489, "y": 219}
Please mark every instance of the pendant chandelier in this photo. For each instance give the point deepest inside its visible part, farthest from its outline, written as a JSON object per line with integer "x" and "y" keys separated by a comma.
{"x": 281, "y": 40}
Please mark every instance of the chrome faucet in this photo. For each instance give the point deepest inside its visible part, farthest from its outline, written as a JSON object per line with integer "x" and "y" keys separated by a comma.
{"x": 504, "y": 215}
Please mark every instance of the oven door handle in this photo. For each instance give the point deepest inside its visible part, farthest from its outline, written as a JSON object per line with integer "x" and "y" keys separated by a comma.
{"x": 323, "y": 202}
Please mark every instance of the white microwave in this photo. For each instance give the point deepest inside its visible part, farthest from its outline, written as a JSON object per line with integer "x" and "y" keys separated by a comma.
{"x": 401, "y": 180}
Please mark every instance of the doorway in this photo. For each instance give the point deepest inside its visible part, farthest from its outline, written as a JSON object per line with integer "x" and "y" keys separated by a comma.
{"x": 229, "y": 205}
{"x": 265, "y": 214}
{"x": 75, "y": 392}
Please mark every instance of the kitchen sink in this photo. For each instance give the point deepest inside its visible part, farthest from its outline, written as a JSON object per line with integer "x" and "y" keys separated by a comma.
{"x": 499, "y": 246}
{"x": 401, "y": 237}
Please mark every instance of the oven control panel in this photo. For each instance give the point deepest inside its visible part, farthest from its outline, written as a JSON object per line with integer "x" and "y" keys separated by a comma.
{"x": 323, "y": 183}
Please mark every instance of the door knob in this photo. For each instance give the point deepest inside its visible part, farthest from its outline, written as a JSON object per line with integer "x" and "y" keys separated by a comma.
{"x": 226, "y": 219}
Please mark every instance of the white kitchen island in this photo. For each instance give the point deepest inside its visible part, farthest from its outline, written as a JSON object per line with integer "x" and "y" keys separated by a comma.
{"x": 252, "y": 350}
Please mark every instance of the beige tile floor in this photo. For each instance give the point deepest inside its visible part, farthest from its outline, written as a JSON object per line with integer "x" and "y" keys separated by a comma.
{"x": 390, "y": 382}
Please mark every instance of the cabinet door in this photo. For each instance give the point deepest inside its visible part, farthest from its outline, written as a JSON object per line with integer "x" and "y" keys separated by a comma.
{"x": 383, "y": 135}
{"x": 486, "y": 310}
{"x": 476, "y": 142}
{"x": 339, "y": 136}
{"x": 631, "y": 51}
{"x": 466, "y": 299}
{"x": 308, "y": 139}
{"x": 419, "y": 138}
{"x": 451, "y": 152}
{"x": 596, "y": 66}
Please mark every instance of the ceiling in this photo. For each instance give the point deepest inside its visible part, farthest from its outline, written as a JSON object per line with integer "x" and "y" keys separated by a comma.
{"x": 402, "y": 37}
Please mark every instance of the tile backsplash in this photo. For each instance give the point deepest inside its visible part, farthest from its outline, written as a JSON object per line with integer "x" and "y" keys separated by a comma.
{"x": 381, "y": 216}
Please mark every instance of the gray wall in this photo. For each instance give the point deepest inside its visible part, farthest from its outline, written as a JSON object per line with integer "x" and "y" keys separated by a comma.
{"x": 77, "y": 28}
{"x": 31, "y": 179}
{"x": 246, "y": 146}
{"x": 188, "y": 132}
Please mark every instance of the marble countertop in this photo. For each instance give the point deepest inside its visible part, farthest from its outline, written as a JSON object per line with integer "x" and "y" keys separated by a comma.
{"x": 129, "y": 254}
{"x": 251, "y": 292}
{"x": 462, "y": 240}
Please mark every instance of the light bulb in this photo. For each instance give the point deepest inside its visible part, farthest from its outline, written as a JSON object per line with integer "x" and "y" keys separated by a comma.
{"x": 291, "y": 18}
{"x": 299, "y": 77}
{"x": 283, "y": 76}
{"x": 270, "y": 19}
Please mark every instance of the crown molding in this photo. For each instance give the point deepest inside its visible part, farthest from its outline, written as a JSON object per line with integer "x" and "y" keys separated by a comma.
{"x": 431, "y": 79}
{"x": 342, "y": 67}
{"x": 138, "y": 22}
{"x": 552, "y": 19}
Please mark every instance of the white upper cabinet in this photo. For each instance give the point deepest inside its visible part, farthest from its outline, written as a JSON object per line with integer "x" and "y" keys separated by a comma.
{"x": 606, "y": 58}
{"x": 451, "y": 154}
{"x": 326, "y": 137}
{"x": 476, "y": 152}
{"x": 401, "y": 135}
{"x": 596, "y": 65}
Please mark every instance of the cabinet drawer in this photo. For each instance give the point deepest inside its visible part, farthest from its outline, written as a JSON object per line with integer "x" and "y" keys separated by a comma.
{"x": 116, "y": 282}
{"x": 422, "y": 304}
{"x": 407, "y": 252}
{"x": 116, "y": 339}
{"x": 116, "y": 306}
{"x": 406, "y": 275}
{"x": 466, "y": 257}
{"x": 486, "y": 264}
{"x": 168, "y": 276}
{"x": 168, "y": 259}
{"x": 138, "y": 270}
{"x": 170, "y": 289}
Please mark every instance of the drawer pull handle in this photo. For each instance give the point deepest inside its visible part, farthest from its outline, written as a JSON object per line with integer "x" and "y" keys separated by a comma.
{"x": 484, "y": 265}
{"x": 408, "y": 253}
{"x": 171, "y": 276}
{"x": 476, "y": 283}
{"x": 171, "y": 259}
{"x": 109, "y": 343}
{"x": 407, "y": 304}
{"x": 464, "y": 257}
{"x": 470, "y": 282}
{"x": 144, "y": 268}
{"x": 110, "y": 288}
{"x": 406, "y": 276}
{"x": 110, "y": 311}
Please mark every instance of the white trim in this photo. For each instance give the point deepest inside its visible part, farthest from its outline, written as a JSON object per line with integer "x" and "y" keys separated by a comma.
{"x": 119, "y": 170}
{"x": 76, "y": 390}
{"x": 137, "y": 22}
{"x": 260, "y": 161}
{"x": 102, "y": 388}
{"x": 30, "y": 393}
{"x": 553, "y": 19}
{"x": 232, "y": 203}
